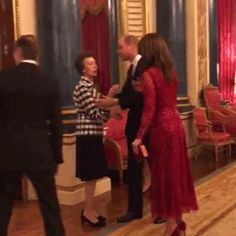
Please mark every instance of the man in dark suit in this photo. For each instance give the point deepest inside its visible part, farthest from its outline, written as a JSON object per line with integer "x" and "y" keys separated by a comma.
{"x": 132, "y": 100}
{"x": 30, "y": 137}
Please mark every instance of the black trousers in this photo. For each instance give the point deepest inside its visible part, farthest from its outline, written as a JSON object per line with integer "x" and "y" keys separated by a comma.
{"x": 44, "y": 184}
{"x": 135, "y": 182}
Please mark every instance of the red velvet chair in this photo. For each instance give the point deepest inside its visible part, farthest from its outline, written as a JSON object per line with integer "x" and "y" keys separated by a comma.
{"x": 116, "y": 144}
{"x": 208, "y": 137}
{"x": 113, "y": 156}
{"x": 220, "y": 111}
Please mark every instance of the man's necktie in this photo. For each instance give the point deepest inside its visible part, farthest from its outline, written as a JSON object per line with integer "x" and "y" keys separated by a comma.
{"x": 130, "y": 70}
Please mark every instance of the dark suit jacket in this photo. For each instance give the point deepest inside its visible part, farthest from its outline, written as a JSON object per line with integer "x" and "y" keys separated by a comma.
{"x": 132, "y": 100}
{"x": 30, "y": 136}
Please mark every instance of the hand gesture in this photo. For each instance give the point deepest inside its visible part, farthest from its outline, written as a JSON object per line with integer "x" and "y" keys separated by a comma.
{"x": 106, "y": 102}
{"x": 115, "y": 89}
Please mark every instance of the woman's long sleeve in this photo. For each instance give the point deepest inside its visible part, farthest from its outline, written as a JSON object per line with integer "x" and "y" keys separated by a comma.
{"x": 85, "y": 101}
{"x": 149, "y": 95}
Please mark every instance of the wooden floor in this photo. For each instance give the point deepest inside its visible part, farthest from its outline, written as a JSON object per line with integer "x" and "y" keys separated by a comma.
{"x": 26, "y": 219}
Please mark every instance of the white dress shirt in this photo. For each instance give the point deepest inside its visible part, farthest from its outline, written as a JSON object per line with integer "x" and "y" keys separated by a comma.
{"x": 135, "y": 62}
{"x": 29, "y": 61}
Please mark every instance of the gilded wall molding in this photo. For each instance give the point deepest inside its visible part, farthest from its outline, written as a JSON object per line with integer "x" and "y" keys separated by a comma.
{"x": 192, "y": 50}
{"x": 16, "y": 18}
{"x": 150, "y": 9}
{"x": 132, "y": 17}
{"x": 202, "y": 16}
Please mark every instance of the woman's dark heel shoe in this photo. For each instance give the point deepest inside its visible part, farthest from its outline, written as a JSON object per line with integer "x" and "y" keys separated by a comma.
{"x": 159, "y": 220}
{"x": 102, "y": 218}
{"x": 176, "y": 232}
{"x": 100, "y": 223}
{"x": 182, "y": 227}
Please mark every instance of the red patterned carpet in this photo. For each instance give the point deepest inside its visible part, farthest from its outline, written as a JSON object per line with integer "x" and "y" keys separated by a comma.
{"x": 217, "y": 215}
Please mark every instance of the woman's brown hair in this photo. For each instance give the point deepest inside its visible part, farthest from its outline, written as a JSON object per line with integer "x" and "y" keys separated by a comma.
{"x": 155, "y": 52}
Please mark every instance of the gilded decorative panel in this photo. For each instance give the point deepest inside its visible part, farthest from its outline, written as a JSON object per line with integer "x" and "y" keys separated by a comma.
{"x": 202, "y": 14}
{"x": 16, "y": 16}
{"x": 132, "y": 17}
{"x": 24, "y": 13}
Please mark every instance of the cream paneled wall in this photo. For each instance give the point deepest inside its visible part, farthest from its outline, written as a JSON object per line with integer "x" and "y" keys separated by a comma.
{"x": 197, "y": 35}
{"x": 203, "y": 43}
{"x": 25, "y": 17}
{"x": 132, "y": 17}
{"x": 150, "y": 8}
{"x": 192, "y": 50}
{"x": 137, "y": 17}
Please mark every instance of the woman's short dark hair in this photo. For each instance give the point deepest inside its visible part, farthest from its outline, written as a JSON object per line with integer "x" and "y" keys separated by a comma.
{"x": 29, "y": 46}
{"x": 79, "y": 61}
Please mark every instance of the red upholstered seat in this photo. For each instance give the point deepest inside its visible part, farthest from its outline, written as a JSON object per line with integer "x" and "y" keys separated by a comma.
{"x": 116, "y": 131}
{"x": 214, "y": 137}
{"x": 220, "y": 111}
{"x": 113, "y": 154}
{"x": 115, "y": 144}
{"x": 206, "y": 136}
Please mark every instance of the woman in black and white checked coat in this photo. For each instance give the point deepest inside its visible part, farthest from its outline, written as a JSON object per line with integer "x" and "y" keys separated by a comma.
{"x": 90, "y": 158}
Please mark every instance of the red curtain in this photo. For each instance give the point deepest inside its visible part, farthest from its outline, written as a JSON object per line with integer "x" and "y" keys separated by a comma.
{"x": 95, "y": 38}
{"x": 227, "y": 47}
{"x": 93, "y": 7}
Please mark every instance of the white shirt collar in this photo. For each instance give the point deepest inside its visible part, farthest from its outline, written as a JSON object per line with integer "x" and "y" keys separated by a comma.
{"x": 135, "y": 61}
{"x": 29, "y": 61}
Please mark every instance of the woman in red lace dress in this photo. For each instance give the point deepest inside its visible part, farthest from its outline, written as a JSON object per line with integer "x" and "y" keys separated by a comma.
{"x": 172, "y": 190}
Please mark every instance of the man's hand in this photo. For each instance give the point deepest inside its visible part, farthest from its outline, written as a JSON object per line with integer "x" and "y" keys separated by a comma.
{"x": 115, "y": 89}
{"x": 106, "y": 102}
{"x": 135, "y": 145}
{"x": 137, "y": 85}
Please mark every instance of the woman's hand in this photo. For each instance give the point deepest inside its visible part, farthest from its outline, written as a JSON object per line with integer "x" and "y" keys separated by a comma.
{"x": 115, "y": 89}
{"x": 135, "y": 145}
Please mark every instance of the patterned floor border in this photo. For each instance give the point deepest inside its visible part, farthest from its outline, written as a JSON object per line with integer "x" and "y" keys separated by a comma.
{"x": 111, "y": 229}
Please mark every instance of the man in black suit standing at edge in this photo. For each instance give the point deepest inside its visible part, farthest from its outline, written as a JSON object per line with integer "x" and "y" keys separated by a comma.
{"x": 30, "y": 136}
{"x": 132, "y": 100}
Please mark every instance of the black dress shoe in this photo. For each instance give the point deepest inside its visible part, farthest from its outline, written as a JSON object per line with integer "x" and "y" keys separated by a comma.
{"x": 99, "y": 223}
{"x": 128, "y": 217}
{"x": 159, "y": 220}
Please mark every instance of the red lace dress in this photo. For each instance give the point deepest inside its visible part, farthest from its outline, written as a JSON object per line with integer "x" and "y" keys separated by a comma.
{"x": 172, "y": 190}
